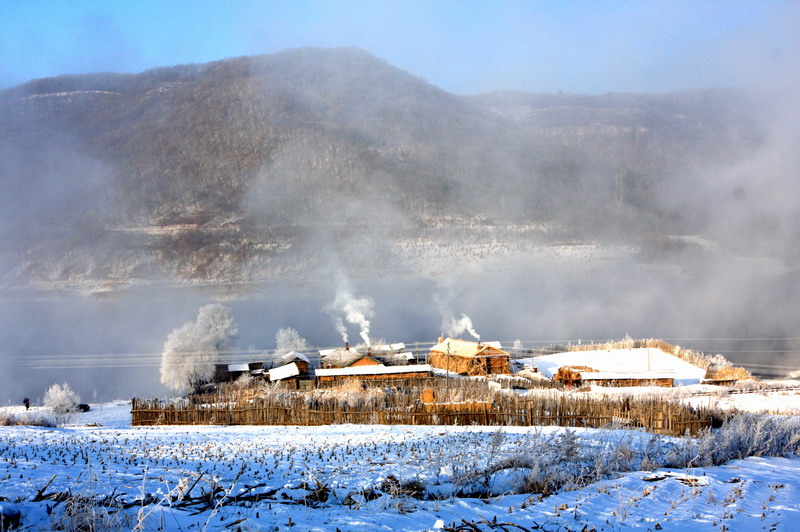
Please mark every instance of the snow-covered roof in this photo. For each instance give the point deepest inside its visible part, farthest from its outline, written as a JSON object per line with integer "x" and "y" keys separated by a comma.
{"x": 284, "y": 372}
{"x": 238, "y": 367}
{"x": 640, "y": 361}
{"x": 340, "y": 357}
{"x": 372, "y": 370}
{"x": 465, "y": 348}
{"x": 293, "y": 355}
{"x": 392, "y": 348}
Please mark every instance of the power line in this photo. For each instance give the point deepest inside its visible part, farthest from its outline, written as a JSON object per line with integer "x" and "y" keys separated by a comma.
{"x": 153, "y": 359}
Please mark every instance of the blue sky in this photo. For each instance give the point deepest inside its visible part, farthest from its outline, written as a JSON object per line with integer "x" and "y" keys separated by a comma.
{"x": 464, "y": 47}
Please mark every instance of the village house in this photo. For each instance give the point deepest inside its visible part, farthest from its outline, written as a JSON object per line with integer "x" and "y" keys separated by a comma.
{"x": 379, "y": 362}
{"x": 470, "y": 358}
{"x": 344, "y": 357}
{"x": 369, "y": 371}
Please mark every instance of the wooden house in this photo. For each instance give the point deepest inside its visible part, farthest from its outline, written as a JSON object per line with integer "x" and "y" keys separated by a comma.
{"x": 470, "y": 358}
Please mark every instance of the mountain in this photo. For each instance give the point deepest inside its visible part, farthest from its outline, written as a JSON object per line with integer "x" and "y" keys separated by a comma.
{"x": 237, "y": 169}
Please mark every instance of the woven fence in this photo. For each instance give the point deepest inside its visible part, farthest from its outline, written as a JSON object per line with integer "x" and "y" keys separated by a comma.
{"x": 375, "y": 407}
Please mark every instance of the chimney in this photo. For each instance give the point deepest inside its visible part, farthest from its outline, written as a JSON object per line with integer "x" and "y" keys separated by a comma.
{"x": 441, "y": 339}
{"x": 347, "y": 346}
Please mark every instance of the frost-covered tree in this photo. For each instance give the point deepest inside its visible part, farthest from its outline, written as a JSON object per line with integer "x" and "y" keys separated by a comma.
{"x": 61, "y": 399}
{"x": 288, "y": 339}
{"x": 216, "y": 322}
{"x": 191, "y": 351}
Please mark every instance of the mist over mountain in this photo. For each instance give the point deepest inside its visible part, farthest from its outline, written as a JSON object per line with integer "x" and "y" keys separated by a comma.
{"x": 220, "y": 172}
{"x": 286, "y": 184}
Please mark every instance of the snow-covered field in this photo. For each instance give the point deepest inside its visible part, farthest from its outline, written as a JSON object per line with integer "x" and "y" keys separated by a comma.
{"x": 378, "y": 478}
{"x": 779, "y": 397}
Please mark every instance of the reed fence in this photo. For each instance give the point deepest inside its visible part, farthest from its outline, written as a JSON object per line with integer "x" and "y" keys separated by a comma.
{"x": 376, "y": 407}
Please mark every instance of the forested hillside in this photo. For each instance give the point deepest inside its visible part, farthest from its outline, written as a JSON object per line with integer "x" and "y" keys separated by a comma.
{"x": 226, "y": 170}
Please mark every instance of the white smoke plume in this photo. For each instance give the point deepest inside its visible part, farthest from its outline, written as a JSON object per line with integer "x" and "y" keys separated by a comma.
{"x": 340, "y": 328}
{"x": 455, "y": 327}
{"x": 357, "y": 311}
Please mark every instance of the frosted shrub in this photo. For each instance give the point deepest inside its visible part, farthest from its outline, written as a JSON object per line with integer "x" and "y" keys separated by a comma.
{"x": 718, "y": 362}
{"x": 82, "y": 512}
{"x": 749, "y": 435}
{"x": 61, "y": 399}
{"x": 37, "y": 419}
{"x": 244, "y": 382}
{"x": 349, "y": 395}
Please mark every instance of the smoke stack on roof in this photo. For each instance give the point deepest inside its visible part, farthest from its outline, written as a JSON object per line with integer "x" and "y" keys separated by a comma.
{"x": 347, "y": 346}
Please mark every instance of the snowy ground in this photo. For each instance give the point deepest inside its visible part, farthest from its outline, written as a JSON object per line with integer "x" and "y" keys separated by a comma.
{"x": 364, "y": 478}
{"x": 780, "y": 397}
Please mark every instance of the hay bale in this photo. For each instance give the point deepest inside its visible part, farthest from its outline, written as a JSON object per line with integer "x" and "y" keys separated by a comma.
{"x": 729, "y": 373}
{"x": 572, "y": 373}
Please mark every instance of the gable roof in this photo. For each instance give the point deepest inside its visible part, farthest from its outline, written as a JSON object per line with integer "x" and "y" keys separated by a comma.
{"x": 465, "y": 348}
{"x": 340, "y": 357}
{"x": 291, "y": 356}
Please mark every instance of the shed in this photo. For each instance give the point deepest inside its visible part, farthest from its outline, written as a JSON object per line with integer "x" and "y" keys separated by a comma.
{"x": 621, "y": 367}
{"x": 284, "y": 372}
{"x": 470, "y": 358}
{"x": 299, "y": 359}
{"x": 231, "y": 372}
